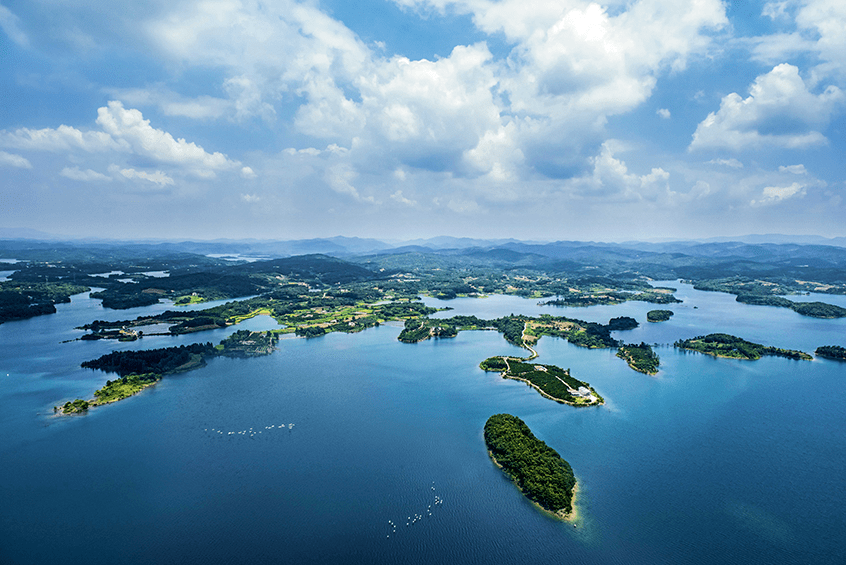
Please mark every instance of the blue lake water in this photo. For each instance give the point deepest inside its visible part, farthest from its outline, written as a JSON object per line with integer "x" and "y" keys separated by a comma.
{"x": 710, "y": 461}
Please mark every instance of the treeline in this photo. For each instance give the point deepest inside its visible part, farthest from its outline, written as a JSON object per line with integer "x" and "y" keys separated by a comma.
{"x": 157, "y": 361}
{"x": 19, "y": 301}
{"x": 811, "y": 309}
{"x": 537, "y": 469}
{"x": 832, "y": 352}
{"x": 725, "y": 345}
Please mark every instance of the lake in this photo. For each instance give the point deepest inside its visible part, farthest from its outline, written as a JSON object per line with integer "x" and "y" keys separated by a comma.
{"x": 710, "y": 461}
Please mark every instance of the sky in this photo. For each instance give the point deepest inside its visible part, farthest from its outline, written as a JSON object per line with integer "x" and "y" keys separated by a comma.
{"x": 399, "y": 119}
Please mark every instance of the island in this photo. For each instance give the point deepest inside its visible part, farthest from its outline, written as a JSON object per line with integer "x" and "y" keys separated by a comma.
{"x": 641, "y": 357}
{"x": 550, "y": 381}
{"x": 658, "y": 315}
{"x": 141, "y": 369}
{"x": 831, "y": 352}
{"x": 538, "y": 471}
{"x": 732, "y": 347}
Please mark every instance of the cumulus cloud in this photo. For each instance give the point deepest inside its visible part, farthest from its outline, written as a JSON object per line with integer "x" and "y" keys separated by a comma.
{"x": 793, "y": 169}
{"x": 779, "y": 111}
{"x": 130, "y": 127}
{"x": 156, "y": 177}
{"x": 12, "y": 160}
{"x": 398, "y": 197}
{"x": 611, "y": 179}
{"x": 62, "y": 140}
{"x": 663, "y": 113}
{"x": 732, "y": 163}
{"x": 775, "y": 194}
{"x": 75, "y": 173}
{"x": 248, "y": 173}
{"x": 339, "y": 178}
{"x": 820, "y": 31}
{"x": 250, "y": 198}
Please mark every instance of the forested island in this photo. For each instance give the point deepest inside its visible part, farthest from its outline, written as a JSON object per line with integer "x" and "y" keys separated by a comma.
{"x": 655, "y": 316}
{"x": 732, "y": 347}
{"x": 140, "y": 369}
{"x": 831, "y": 352}
{"x": 550, "y": 381}
{"x": 641, "y": 357}
{"x": 537, "y": 469}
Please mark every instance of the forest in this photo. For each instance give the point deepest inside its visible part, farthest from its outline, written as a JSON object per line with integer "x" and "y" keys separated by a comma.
{"x": 537, "y": 469}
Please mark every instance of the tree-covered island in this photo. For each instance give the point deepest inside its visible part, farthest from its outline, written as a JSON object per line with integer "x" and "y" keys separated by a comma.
{"x": 831, "y": 352}
{"x": 538, "y": 471}
{"x": 140, "y": 369}
{"x": 732, "y": 347}
{"x": 641, "y": 357}
{"x": 550, "y": 381}
{"x": 655, "y": 316}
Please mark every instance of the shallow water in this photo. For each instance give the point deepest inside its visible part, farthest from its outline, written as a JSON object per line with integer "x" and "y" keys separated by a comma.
{"x": 710, "y": 461}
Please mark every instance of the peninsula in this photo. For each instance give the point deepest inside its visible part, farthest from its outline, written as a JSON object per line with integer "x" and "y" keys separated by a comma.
{"x": 538, "y": 471}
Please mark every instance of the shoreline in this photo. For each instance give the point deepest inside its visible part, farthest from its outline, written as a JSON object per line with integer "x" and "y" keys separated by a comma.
{"x": 571, "y": 517}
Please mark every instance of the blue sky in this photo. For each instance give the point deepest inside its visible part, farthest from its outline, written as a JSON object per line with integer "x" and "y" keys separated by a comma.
{"x": 411, "y": 118}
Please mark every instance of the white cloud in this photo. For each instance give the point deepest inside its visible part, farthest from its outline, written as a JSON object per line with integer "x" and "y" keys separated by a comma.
{"x": 340, "y": 177}
{"x": 663, "y": 113}
{"x": 129, "y": 126}
{"x": 62, "y": 139}
{"x": 250, "y": 198}
{"x": 780, "y": 111}
{"x": 793, "y": 169}
{"x": 611, "y": 179}
{"x": 75, "y": 173}
{"x": 398, "y": 197}
{"x": 248, "y": 173}
{"x": 775, "y": 194}
{"x": 12, "y": 160}
{"x": 157, "y": 177}
{"x": 820, "y": 30}
{"x": 10, "y": 24}
{"x": 173, "y": 104}
{"x": 732, "y": 162}
{"x": 775, "y": 10}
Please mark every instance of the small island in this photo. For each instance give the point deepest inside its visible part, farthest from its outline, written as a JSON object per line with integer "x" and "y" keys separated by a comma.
{"x": 658, "y": 315}
{"x": 641, "y": 357}
{"x": 140, "y": 369}
{"x": 831, "y": 352}
{"x": 538, "y": 471}
{"x": 550, "y": 381}
{"x": 732, "y": 347}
